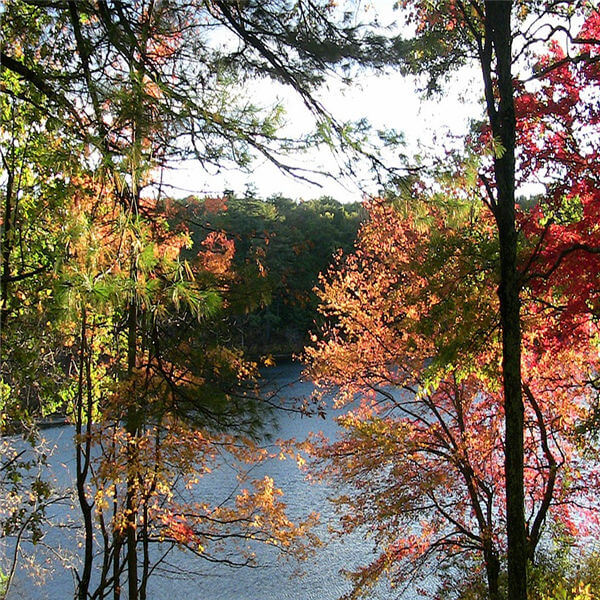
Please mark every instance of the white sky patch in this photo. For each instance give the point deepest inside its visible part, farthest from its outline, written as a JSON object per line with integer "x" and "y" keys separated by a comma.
{"x": 387, "y": 101}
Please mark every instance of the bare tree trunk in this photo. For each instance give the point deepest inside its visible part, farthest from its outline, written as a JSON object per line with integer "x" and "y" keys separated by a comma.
{"x": 107, "y": 549}
{"x": 117, "y": 543}
{"x": 146, "y": 554}
{"x": 132, "y": 432}
{"x": 83, "y": 450}
{"x": 6, "y": 244}
{"x": 501, "y": 113}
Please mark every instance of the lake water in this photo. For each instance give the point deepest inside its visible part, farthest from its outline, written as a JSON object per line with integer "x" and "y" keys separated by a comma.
{"x": 274, "y": 580}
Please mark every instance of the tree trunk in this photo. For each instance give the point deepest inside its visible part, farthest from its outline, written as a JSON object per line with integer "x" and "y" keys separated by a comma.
{"x": 492, "y": 569}
{"x": 117, "y": 543}
{"x": 83, "y": 450}
{"x": 502, "y": 120}
{"x": 146, "y": 554}
{"x": 132, "y": 431}
{"x": 6, "y": 245}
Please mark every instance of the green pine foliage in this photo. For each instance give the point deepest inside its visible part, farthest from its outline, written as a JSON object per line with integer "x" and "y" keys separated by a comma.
{"x": 281, "y": 247}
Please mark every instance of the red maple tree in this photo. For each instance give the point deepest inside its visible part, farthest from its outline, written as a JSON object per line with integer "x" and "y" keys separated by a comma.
{"x": 412, "y": 346}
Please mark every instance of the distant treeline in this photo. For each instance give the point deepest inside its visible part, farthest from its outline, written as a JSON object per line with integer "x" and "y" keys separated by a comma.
{"x": 281, "y": 246}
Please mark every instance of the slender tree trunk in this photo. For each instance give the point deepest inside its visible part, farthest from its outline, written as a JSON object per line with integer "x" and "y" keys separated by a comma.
{"x": 146, "y": 553}
{"x": 102, "y": 586}
{"x": 132, "y": 580}
{"x": 83, "y": 449}
{"x": 132, "y": 432}
{"x": 117, "y": 543}
{"x": 14, "y": 561}
{"x": 501, "y": 113}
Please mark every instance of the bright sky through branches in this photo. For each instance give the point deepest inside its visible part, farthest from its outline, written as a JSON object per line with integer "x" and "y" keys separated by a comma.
{"x": 386, "y": 101}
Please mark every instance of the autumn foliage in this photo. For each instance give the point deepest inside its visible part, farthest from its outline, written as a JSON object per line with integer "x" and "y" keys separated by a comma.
{"x": 412, "y": 345}
{"x": 558, "y": 127}
{"x": 153, "y": 421}
{"x": 411, "y": 348}
{"x": 114, "y": 312}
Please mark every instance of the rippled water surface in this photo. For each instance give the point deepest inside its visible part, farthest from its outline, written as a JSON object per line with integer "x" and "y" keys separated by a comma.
{"x": 276, "y": 579}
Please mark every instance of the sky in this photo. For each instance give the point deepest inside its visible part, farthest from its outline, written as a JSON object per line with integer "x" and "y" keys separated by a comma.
{"x": 387, "y": 101}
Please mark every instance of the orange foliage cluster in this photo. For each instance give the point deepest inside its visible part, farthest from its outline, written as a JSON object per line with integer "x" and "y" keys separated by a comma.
{"x": 411, "y": 347}
{"x": 166, "y": 461}
{"x": 217, "y": 253}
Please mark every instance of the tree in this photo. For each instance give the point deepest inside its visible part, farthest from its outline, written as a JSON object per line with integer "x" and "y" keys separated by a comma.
{"x": 199, "y": 103}
{"x": 281, "y": 246}
{"x": 121, "y": 82}
{"x": 448, "y": 34}
{"x": 193, "y": 400}
{"x": 557, "y": 126}
{"x": 32, "y": 349}
{"x": 412, "y": 346}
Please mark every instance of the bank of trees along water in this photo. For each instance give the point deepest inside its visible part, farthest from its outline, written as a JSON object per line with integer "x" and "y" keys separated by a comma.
{"x": 466, "y": 324}
{"x": 281, "y": 247}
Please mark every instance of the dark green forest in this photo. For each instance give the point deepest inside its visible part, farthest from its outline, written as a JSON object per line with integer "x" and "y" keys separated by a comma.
{"x": 281, "y": 247}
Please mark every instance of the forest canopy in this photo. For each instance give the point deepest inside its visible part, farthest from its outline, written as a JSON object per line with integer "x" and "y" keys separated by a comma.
{"x": 453, "y": 323}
